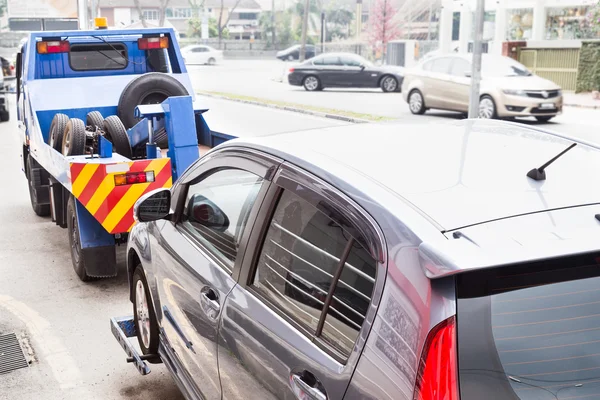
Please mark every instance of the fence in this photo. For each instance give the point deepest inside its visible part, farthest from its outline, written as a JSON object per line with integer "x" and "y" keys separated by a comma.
{"x": 557, "y": 65}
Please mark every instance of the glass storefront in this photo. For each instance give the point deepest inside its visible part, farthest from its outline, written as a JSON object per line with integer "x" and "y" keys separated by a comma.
{"x": 519, "y": 23}
{"x": 570, "y": 23}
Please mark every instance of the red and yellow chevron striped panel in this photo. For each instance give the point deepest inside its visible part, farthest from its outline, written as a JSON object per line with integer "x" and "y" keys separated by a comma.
{"x": 94, "y": 186}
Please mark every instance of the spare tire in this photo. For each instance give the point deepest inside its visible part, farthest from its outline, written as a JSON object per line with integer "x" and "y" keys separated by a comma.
{"x": 150, "y": 88}
{"x": 115, "y": 132}
{"x": 57, "y": 129}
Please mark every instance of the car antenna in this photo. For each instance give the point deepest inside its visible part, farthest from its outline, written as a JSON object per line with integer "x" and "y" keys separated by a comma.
{"x": 539, "y": 174}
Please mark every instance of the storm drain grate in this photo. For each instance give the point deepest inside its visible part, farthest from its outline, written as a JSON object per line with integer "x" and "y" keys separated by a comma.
{"x": 11, "y": 354}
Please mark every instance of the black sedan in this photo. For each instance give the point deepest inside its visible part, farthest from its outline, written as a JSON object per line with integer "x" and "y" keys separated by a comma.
{"x": 344, "y": 70}
{"x": 293, "y": 53}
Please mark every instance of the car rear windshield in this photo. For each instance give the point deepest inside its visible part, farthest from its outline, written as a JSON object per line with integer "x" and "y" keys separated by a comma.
{"x": 531, "y": 331}
{"x": 94, "y": 57}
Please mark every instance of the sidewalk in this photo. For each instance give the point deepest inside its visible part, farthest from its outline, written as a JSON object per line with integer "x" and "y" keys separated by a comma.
{"x": 581, "y": 100}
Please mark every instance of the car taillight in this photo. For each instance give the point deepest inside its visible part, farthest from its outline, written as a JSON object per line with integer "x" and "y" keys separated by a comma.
{"x": 438, "y": 375}
{"x": 134, "y": 177}
{"x": 49, "y": 47}
{"x": 153, "y": 43}
{"x": 291, "y": 70}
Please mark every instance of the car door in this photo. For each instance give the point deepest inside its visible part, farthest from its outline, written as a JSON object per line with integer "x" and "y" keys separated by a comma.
{"x": 460, "y": 72}
{"x": 199, "y": 252}
{"x": 331, "y": 70}
{"x": 438, "y": 83}
{"x": 354, "y": 74}
{"x": 275, "y": 339}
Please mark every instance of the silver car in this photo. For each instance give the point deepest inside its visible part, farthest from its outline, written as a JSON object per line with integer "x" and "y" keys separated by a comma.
{"x": 439, "y": 262}
{"x": 508, "y": 88}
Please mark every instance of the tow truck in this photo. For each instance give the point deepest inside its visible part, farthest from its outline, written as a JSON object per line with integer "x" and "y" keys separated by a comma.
{"x": 106, "y": 116}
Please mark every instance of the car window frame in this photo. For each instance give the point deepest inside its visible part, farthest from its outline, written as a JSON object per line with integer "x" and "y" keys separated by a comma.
{"x": 317, "y": 192}
{"x": 231, "y": 158}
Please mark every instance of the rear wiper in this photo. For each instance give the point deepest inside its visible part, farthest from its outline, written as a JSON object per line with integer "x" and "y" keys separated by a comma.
{"x": 539, "y": 174}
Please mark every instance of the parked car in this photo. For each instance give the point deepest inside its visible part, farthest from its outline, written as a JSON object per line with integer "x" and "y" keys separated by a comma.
{"x": 201, "y": 54}
{"x": 333, "y": 263}
{"x": 508, "y": 88}
{"x": 293, "y": 53}
{"x": 344, "y": 70}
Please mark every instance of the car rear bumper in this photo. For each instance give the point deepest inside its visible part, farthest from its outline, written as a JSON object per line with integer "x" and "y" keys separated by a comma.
{"x": 294, "y": 79}
{"x": 515, "y": 106}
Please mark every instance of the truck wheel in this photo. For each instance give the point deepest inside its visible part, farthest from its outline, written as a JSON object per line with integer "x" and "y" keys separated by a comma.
{"x": 94, "y": 119}
{"x": 76, "y": 253}
{"x": 74, "y": 138}
{"x": 115, "y": 132}
{"x": 38, "y": 177}
{"x": 57, "y": 130}
{"x": 143, "y": 313}
{"x": 4, "y": 116}
{"x": 150, "y": 88}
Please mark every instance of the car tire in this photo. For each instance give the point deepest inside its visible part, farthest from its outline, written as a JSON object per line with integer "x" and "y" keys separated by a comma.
{"x": 212, "y": 61}
{"x": 77, "y": 257}
{"x": 311, "y": 83}
{"x": 388, "y": 84}
{"x": 73, "y": 141}
{"x": 115, "y": 132}
{"x": 416, "y": 102}
{"x": 487, "y": 107}
{"x": 94, "y": 119}
{"x": 37, "y": 181}
{"x": 144, "y": 317}
{"x": 57, "y": 130}
{"x": 544, "y": 118}
{"x": 150, "y": 88}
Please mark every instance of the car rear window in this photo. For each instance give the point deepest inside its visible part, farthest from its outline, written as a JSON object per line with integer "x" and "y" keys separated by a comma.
{"x": 94, "y": 57}
{"x": 531, "y": 331}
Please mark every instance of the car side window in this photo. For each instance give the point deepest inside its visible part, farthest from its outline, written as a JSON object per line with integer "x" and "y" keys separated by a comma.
{"x": 427, "y": 65}
{"x": 441, "y": 65}
{"x": 331, "y": 60}
{"x": 298, "y": 261}
{"x": 217, "y": 208}
{"x": 318, "y": 61}
{"x": 460, "y": 67}
{"x": 350, "y": 62}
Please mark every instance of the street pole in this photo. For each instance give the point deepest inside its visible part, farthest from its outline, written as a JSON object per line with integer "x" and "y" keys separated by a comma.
{"x": 304, "y": 29}
{"x": 476, "y": 67}
{"x": 273, "y": 22}
{"x": 322, "y": 29}
{"x": 429, "y": 23}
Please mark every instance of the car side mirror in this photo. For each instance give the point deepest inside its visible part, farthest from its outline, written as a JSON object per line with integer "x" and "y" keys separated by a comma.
{"x": 362, "y": 66}
{"x": 153, "y": 206}
{"x": 468, "y": 74}
{"x": 204, "y": 212}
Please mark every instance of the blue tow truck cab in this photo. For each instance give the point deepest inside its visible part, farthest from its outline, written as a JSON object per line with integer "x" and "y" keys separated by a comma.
{"x": 95, "y": 110}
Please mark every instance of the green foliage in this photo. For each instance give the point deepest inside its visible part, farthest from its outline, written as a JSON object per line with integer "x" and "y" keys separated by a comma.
{"x": 2, "y": 7}
{"x": 588, "y": 75}
{"x": 195, "y": 28}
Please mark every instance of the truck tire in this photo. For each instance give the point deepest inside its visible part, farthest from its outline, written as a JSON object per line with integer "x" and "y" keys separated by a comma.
{"x": 57, "y": 130}
{"x": 77, "y": 257}
{"x": 94, "y": 119}
{"x": 4, "y": 116}
{"x": 115, "y": 132}
{"x": 38, "y": 178}
{"x": 144, "y": 316}
{"x": 150, "y": 88}
{"x": 73, "y": 143}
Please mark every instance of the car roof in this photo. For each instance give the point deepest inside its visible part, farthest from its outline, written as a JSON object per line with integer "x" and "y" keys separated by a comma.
{"x": 454, "y": 174}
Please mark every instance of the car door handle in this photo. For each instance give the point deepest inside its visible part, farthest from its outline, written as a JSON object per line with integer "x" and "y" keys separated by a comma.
{"x": 210, "y": 301}
{"x": 306, "y": 386}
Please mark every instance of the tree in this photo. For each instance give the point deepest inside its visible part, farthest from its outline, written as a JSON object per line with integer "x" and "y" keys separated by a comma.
{"x": 140, "y": 13}
{"x": 2, "y": 7}
{"x": 220, "y": 25}
{"x": 382, "y": 25}
{"x": 162, "y": 11}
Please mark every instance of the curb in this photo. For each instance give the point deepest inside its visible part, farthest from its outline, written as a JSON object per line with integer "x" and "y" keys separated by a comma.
{"x": 595, "y": 107}
{"x": 292, "y": 109}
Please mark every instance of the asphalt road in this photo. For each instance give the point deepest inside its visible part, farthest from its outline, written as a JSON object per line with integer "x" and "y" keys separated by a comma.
{"x": 261, "y": 79}
{"x": 64, "y": 322}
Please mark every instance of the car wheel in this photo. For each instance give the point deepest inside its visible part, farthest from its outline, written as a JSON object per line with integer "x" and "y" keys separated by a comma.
{"x": 143, "y": 314}
{"x": 116, "y": 133}
{"x": 487, "y": 107}
{"x": 94, "y": 119}
{"x": 312, "y": 83}
{"x": 544, "y": 118}
{"x": 74, "y": 138}
{"x": 57, "y": 130}
{"x": 388, "y": 84}
{"x": 212, "y": 61}
{"x": 416, "y": 102}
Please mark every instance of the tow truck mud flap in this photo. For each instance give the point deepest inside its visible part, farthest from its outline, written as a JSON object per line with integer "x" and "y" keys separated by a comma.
{"x": 124, "y": 328}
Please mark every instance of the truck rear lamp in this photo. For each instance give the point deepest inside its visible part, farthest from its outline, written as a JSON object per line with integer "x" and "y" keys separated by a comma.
{"x": 152, "y": 43}
{"x": 50, "y": 47}
{"x": 134, "y": 177}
